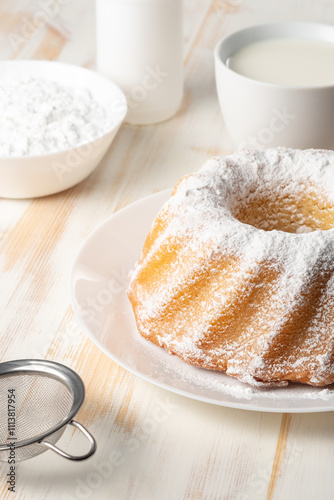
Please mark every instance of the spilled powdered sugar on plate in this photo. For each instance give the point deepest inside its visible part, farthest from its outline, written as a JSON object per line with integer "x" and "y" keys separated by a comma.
{"x": 214, "y": 381}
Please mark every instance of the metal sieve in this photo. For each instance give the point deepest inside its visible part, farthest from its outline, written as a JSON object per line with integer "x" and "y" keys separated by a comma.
{"x": 38, "y": 398}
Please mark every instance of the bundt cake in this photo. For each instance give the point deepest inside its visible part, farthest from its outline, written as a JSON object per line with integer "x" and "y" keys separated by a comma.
{"x": 236, "y": 273}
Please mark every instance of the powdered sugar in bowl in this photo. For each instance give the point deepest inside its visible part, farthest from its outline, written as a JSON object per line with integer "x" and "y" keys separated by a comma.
{"x": 57, "y": 123}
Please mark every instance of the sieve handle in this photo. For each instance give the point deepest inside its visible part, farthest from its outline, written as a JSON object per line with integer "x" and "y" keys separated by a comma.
{"x": 74, "y": 457}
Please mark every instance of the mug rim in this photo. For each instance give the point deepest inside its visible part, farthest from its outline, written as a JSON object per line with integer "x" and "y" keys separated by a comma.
{"x": 304, "y": 30}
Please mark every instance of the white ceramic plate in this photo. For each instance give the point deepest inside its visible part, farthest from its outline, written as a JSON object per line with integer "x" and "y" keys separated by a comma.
{"x": 98, "y": 283}
{"x": 44, "y": 174}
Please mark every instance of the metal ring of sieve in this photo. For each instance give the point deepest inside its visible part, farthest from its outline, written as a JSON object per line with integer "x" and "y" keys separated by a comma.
{"x": 70, "y": 382}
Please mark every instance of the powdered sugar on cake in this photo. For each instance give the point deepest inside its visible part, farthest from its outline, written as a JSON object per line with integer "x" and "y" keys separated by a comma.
{"x": 202, "y": 212}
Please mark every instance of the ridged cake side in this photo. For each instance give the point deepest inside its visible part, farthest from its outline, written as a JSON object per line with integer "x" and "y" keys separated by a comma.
{"x": 224, "y": 295}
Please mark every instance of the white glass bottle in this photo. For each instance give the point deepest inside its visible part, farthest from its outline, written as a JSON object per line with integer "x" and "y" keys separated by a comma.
{"x": 139, "y": 46}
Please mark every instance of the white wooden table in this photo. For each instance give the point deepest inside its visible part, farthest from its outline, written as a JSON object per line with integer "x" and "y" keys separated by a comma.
{"x": 197, "y": 451}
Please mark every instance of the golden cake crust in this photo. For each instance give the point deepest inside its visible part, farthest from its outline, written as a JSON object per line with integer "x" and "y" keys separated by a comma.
{"x": 236, "y": 273}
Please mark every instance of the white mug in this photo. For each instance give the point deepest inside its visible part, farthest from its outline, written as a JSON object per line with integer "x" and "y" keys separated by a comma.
{"x": 259, "y": 114}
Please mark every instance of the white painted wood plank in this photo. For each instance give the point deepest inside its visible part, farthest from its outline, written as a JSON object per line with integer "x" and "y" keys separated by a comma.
{"x": 198, "y": 450}
{"x": 305, "y": 472}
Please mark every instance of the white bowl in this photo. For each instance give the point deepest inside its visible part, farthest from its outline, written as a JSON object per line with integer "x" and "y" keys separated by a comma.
{"x": 263, "y": 114}
{"x": 40, "y": 175}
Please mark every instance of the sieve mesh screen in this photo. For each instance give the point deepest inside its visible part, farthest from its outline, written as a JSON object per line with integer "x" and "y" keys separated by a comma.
{"x": 41, "y": 402}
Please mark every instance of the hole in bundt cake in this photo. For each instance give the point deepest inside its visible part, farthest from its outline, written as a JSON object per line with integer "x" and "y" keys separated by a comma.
{"x": 291, "y": 213}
